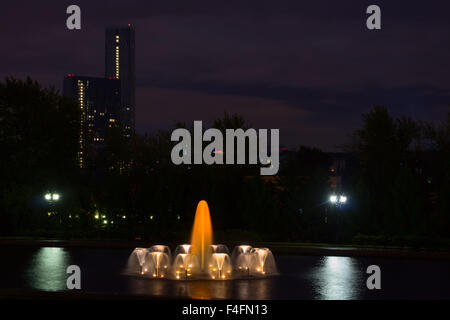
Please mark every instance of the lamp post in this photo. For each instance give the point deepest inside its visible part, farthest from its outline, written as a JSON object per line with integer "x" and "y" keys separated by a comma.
{"x": 52, "y": 198}
{"x": 337, "y": 201}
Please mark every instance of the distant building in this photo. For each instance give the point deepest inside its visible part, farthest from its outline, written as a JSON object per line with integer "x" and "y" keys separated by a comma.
{"x": 109, "y": 101}
{"x": 120, "y": 64}
{"x": 99, "y": 100}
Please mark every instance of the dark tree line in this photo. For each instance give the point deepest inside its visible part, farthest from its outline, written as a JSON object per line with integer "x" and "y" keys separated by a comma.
{"x": 130, "y": 189}
{"x": 402, "y": 181}
{"x": 38, "y": 141}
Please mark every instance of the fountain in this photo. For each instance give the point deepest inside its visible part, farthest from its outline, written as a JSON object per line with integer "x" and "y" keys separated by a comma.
{"x": 201, "y": 238}
{"x": 158, "y": 264}
{"x": 201, "y": 259}
{"x": 239, "y": 250}
{"x": 219, "y": 248}
{"x": 262, "y": 261}
{"x": 220, "y": 266}
{"x": 244, "y": 264}
{"x": 182, "y": 248}
{"x": 160, "y": 248}
{"x": 136, "y": 261}
{"x": 185, "y": 265}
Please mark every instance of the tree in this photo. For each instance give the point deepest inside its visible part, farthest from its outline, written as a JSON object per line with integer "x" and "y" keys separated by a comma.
{"x": 39, "y": 143}
{"x": 386, "y": 179}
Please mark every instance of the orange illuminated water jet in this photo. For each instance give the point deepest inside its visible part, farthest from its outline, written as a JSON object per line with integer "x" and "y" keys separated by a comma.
{"x": 201, "y": 238}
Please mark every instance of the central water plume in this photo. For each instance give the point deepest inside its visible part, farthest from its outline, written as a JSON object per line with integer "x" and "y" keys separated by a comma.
{"x": 201, "y": 238}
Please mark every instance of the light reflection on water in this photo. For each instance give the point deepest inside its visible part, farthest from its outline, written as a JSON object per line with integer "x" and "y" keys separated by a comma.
{"x": 47, "y": 270}
{"x": 338, "y": 278}
{"x": 199, "y": 289}
{"x": 254, "y": 289}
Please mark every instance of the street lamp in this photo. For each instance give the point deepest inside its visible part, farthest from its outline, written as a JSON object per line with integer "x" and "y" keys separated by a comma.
{"x": 336, "y": 200}
{"x": 52, "y": 197}
{"x": 333, "y": 198}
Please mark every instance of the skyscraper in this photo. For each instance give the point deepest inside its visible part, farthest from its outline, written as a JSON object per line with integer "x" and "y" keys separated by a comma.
{"x": 99, "y": 100}
{"x": 106, "y": 102}
{"x": 120, "y": 64}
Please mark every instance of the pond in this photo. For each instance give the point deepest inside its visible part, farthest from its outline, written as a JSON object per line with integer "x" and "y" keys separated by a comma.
{"x": 301, "y": 277}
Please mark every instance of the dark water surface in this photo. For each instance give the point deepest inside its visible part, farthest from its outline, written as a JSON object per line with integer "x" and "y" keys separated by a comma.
{"x": 301, "y": 277}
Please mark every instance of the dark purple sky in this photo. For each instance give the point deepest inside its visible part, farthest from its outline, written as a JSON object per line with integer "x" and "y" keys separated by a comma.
{"x": 309, "y": 68}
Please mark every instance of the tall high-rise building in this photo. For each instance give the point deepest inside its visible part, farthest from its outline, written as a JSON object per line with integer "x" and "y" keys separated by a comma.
{"x": 99, "y": 100}
{"x": 120, "y": 64}
{"x": 110, "y": 101}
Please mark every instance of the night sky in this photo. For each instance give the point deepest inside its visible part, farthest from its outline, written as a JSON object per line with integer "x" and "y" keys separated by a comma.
{"x": 309, "y": 68}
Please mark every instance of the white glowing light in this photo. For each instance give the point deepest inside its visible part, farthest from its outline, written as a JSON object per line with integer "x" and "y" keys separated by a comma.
{"x": 333, "y": 199}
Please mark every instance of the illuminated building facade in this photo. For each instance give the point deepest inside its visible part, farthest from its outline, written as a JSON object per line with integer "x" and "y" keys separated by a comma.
{"x": 99, "y": 100}
{"x": 120, "y": 64}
